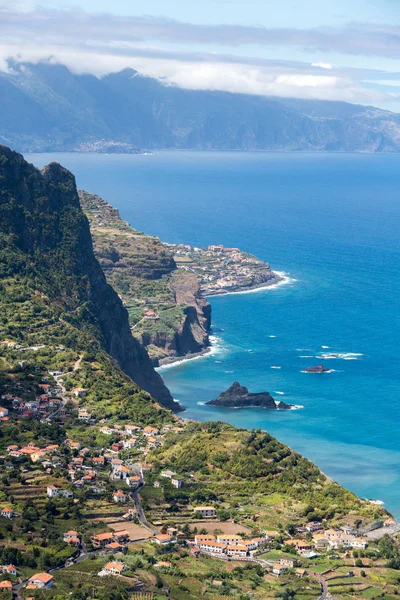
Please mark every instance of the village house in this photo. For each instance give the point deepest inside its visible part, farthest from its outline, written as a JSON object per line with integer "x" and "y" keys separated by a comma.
{"x": 116, "y": 547}
{"x": 132, "y": 429}
{"x": 114, "y": 568}
{"x": 5, "y": 586}
{"x": 231, "y": 539}
{"x": 120, "y": 473}
{"x": 72, "y": 538}
{"x": 290, "y": 563}
{"x": 177, "y": 482}
{"x": 331, "y": 533}
{"x": 162, "y": 539}
{"x": 212, "y": 547}
{"x": 200, "y": 539}
{"x": 107, "y": 430}
{"x": 54, "y": 492}
{"x": 100, "y": 540}
{"x": 10, "y": 569}
{"x": 387, "y": 523}
{"x": 8, "y": 513}
{"x": 130, "y": 443}
{"x": 83, "y": 415}
{"x": 279, "y": 570}
{"x": 38, "y": 456}
{"x": 167, "y": 474}
{"x": 312, "y": 526}
{"x": 122, "y": 536}
{"x": 320, "y": 541}
{"x": 205, "y": 511}
{"x": 98, "y": 461}
{"x": 150, "y": 431}
{"x": 3, "y": 412}
{"x": 237, "y": 550}
{"x": 253, "y": 543}
{"x": 133, "y": 481}
{"x": 40, "y": 581}
{"x": 120, "y": 497}
{"x": 153, "y": 442}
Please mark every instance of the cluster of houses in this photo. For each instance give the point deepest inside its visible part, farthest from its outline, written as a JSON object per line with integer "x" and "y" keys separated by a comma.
{"x": 47, "y": 401}
{"x": 132, "y": 436}
{"x": 111, "y": 541}
{"x": 334, "y": 539}
{"x": 35, "y": 453}
{"x": 219, "y": 268}
{"x": 228, "y": 545}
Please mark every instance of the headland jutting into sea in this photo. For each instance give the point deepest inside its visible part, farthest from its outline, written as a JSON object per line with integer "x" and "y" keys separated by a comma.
{"x": 295, "y": 211}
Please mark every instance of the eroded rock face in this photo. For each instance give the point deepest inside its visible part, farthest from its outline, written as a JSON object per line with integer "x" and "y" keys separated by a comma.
{"x": 238, "y": 396}
{"x": 194, "y": 335}
{"x": 143, "y": 272}
{"x": 41, "y": 221}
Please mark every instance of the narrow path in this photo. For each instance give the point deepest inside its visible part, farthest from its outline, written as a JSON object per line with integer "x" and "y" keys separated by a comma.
{"x": 324, "y": 585}
{"x": 77, "y": 364}
{"x": 140, "y": 514}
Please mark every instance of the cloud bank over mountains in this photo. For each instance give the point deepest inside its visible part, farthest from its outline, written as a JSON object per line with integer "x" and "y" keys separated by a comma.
{"x": 207, "y": 57}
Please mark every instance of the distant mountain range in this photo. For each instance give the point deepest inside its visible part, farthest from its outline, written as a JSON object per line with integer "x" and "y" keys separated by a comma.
{"x": 45, "y": 107}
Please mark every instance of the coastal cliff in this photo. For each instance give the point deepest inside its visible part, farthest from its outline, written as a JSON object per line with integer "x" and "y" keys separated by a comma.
{"x": 166, "y": 311}
{"x": 238, "y": 396}
{"x": 45, "y": 240}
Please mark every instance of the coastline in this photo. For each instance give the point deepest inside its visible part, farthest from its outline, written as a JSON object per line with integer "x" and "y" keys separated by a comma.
{"x": 213, "y": 348}
{"x": 284, "y": 279}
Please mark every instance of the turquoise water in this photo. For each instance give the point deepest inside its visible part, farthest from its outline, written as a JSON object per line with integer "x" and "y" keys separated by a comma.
{"x": 332, "y": 222}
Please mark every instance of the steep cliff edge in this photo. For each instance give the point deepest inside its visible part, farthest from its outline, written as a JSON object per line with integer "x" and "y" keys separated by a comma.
{"x": 166, "y": 312}
{"x": 45, "y": 238}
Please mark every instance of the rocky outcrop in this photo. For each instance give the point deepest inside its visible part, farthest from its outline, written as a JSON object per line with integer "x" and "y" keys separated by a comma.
{"x": 238, "y": 396}
{"x": 194, "y": 334}
{"x": 43, "y": 227}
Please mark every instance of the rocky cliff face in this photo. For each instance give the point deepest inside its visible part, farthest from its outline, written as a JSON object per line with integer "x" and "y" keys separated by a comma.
{"x": 142, "y": 270}
{"x": 45, "y": 237}
{"x": 238, "y": 396}
{"x": 190, "y": 332}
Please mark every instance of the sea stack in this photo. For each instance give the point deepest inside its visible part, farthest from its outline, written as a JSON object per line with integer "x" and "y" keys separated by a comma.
{"x": 238, "y": 396}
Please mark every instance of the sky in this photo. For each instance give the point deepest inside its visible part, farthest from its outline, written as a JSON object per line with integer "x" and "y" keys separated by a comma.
{"x": 313, "y": 49}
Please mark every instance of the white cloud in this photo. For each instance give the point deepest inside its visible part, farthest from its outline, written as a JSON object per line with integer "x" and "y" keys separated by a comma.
{"x": 99, "y": 44}
{"x": 322, "y": 65}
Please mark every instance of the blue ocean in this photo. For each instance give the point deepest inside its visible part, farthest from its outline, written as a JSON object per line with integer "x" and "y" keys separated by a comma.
{"x": 332, "y": 223}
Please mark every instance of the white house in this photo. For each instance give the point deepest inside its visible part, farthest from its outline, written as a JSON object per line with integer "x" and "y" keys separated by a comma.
{"x": 54, "y": 492}
{"x": 83, "y": 415}
{"x": 232, "y": 540}
{"x": 162, "y": 539}
{"x": 114, "y": 568}
{"x": 213, "y": 547}
{"x": 237, "y": 550}
{"x": 41, "y": 580}
{"x": 205, "y": 511}
{"x": 8, "y": 513}
{"x": 177, "y": 482}
{"x": 120, "y": 497}
{"x": 120, "y": 472}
